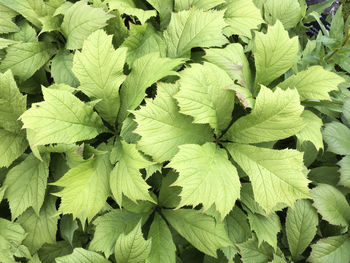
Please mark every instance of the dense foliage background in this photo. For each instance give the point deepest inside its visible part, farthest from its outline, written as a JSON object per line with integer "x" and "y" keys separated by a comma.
{"x": 174, "y": 131}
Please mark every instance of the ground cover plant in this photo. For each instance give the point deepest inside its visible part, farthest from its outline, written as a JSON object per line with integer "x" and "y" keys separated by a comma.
{"x": 174, "y": 131}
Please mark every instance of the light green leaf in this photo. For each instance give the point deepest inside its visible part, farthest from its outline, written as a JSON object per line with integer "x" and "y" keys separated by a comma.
{"x": 126, "y": 178}
{"x": 35, "y": 259}
{"x": 24, "y": 59}
{"x": 80, "y": 21}
{"x": 233, "y": 60}
{"x": 50, "y": 23}
{"x": 242, "y": 16}
{"x": 204, "y": 95}
{"x": 331, "y": 204}
{"x": 61, "y": 118}
{"x": 6, "y": 16}
{"x": 99, "y": 69}
{"x": 61, "y": 69}
{"x": 206, "y": 176}
{"x": 169, "y": 195}
{"x": 301, "y": 226}
{"x": 312, "y": 130}
{"x": 337, "y": 137}
{"x": 194, "y": 28}
{"x": 40, "y": 228}
{"x": 253, "y": 253}
{"x": 276, "y": 116}
{"x": 277, "y": 176}
{"x": 109, "y": 227}
{"x": 331, "y": 249}
{"x": 86, "y": 188}
{"x": 274, "y": 54}
{"x": 314, "y": 83}
{"x": 26, "y": 185}
{"x": 129, "y": 7}
{"x": 145, "y": 71}
{"x": 164, "y": 8}
{"x": 345, "y": 171}
{"x": 266, "y": 228}
{"x": 12, "y": 145}
{"x": 26, "y": 33}
{"x": 288, "y": 12}
{"x": 81, "y": 255}
{"x": 163, "y": 128}
{"x": 205, "y": 5}
{"x": 199, "y": 229}
{"x": 4, "y": 43}
{"x": 346, "y": 109}
{"x": 163, "y": 247}
{"x": 132, "y": 248}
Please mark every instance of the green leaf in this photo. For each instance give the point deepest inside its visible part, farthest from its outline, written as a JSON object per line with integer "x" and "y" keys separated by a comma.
{"x": 26, "y": 33}
{"x": 132, "y": 248}
{"x": 6, "y": 16}
{"x": 4, "y": 43}
{"x": 40, "y": 228}
{"x": 265, "y": 227}
{"x": 206, "y": 176}
{"x": 109, "y": 227}
{"x": 126, "y": 178}
{"x": 68, "y": 226}
{"x": 289, "y": 12}
{"x": 86, "y": 188}
{"x": 312, "y": 130}
{"x": 81, "y": 255}
{"x": 50, "y": 23}
{"x": 331, "y": 204}
{"x": 61, "y": 118}
{"x": 99, "y": 69}
{"x": 277, "y": 176}
{"x": 314, "y": 83}
{"x": 276, "y": 116}
{"x": 169, "y": 195}
{"x": 301, "y": 226}
{"x": 337, "y": 137}
{"x": 49, "y": 252}
{"x": 145, "y": 71}
{"x": 24, "y": 59}
{"x": 345, "y": 171}
{"x": 253, "y": 253}
{"x": 12, "y": 145}
{"x": 26, "y": 185}
{"x": 80, "y": 21}
{"x": 61, "y": 69}
{"x": 331, "y": 249}
{"x": 163, "y": 247}
{"x": 274, "y": 54}
{"x": 194, "y": 28}
{"x": 242, "y": 16}
{"x": 199, "y": 229}
{"x": 163, "y": 128}
{"x": 164, "y": 8}
{"x": 205, "y": 5}
{"x": 35, "y": 259}
{"x": 203, "y": 95}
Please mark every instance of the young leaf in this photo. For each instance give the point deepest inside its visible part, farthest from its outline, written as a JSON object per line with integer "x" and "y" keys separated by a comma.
{"x": 132, "y": 248}
{"x": 275, "y": 53}
{"x": 345, "y": 171}
{"x": 194, "y": 28}
{"x": 276, "y": 116}
{"x": 99, "y": 69}
{"x": 61, "y": 69}
{"x": 199, "y": 229}
{"x": 86, "y": 188}
{"x": 337, "y": 137}
{"x": 277, "y": 176}
{"x": 242, "y": 16}
{"x": 331, "y": 249}
{"x": 163, "y": 247}
{"x": 61, "y": 118}
{"x": 81, "y": 255}
{"x": 26, "y": 184}
{"x": 80, "y": 21}
{"x": 314, "y": 83}
{"x": 301, "y": 226}
{"x": 312, "y": 130}
{"x": 331, "y": 204}
{"x": 163, "y": 128}
{"x": 204, "y": 95}
{"x": 288, "y": 12}
{"x": 206, "y": 176}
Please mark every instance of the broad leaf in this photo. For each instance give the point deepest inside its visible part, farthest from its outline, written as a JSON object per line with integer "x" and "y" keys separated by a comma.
{"x": 81, "y": 255}
{"x": 276, "y": 116}
{"x": 337, "y": 137}
{"x": 314, "y": 83}
{"x": 61, "y": 69}
{"x": 206, "y": 176}
{"x": 312, "y": 130}
{"x": 253, "y": 253}
{"x": 61, "y": 118}
{"x": 288, "y": 12}
{"x": 163, "y": 128}
{"x": 169, "y": 195}
{"x": 345, "y": 171}
{"x": 99, "y": 69}
{"x": 205, "y": 5}
{"x": 204, "y": 95}
{"x": 199, "y": 229}
{"x": 194, "y": 28}
{"x": 12, "y": 145}
{"x": 49, "y": 252}
{"x": 6, "y": 16}
{"x": 277, "y": 176}
{"x": 274, "y": 54}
